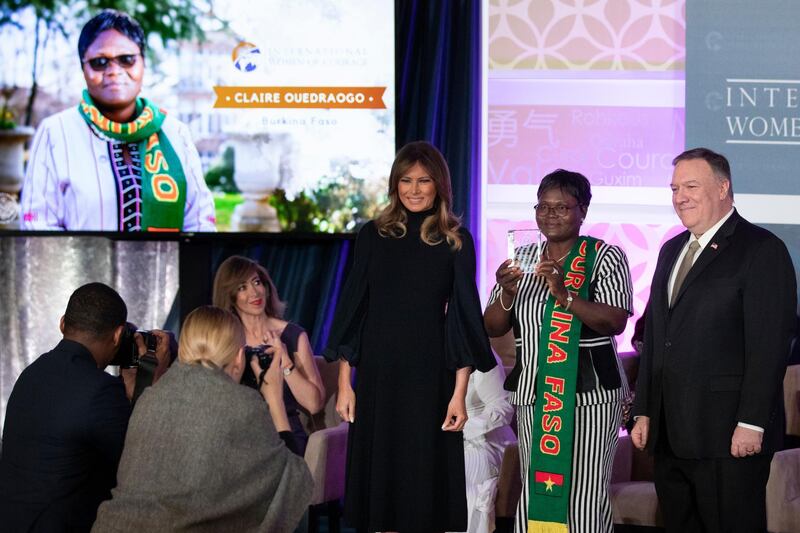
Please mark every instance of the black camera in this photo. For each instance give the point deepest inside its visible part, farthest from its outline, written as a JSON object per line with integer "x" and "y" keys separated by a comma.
{"x": 128, "y": 353}
{"x": 264, "y": 360}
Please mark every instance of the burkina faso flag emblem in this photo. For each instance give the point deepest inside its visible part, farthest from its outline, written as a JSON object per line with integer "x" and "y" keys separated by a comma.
{"x": 549, "y": 484}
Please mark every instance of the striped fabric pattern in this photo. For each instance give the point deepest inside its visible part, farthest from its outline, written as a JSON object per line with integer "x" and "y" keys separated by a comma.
{"x": 598, "y": 413}
{"x": 129, "y": 184}
{"x": 596, "y": 430}
{"x": 610, "y": 284}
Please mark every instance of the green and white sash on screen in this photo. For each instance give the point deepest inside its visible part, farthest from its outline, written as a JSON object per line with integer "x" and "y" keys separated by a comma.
{"x": 163, "y": 178}
{"x": 550, "y": 469}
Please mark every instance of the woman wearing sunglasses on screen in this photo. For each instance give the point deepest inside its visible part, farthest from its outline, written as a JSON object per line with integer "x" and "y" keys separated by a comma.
{"x": 115, "y": 161}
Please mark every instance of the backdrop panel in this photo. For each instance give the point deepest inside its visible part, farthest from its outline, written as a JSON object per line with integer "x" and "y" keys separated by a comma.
{"x": 743, "y": 100}
{"x": 595, "y": 87}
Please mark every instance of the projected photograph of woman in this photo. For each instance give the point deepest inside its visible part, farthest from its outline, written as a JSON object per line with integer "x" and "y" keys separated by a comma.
{"x": 409, "y": 321}
{"x": 116, "y": 161}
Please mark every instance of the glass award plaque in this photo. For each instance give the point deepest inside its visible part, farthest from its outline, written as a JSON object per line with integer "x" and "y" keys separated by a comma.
{"x": 524, "y": 246}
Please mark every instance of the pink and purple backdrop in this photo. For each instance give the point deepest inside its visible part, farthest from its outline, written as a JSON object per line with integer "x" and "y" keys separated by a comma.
{"x": 594, "y": 86}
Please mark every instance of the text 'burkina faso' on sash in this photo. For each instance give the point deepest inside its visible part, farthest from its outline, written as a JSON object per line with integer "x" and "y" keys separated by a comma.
{"x": 554, "y": 412}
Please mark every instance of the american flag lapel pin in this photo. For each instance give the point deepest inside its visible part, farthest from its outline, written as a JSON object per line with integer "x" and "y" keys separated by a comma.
{"x": 714, "y": 246}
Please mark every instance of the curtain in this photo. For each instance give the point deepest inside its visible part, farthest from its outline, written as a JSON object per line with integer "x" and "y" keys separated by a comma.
{"x": 308, "y": 272}
{"x": 438, "y": 87}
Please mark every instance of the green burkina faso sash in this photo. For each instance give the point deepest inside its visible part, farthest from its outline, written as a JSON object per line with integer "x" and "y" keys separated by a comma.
{"x": 550, "y": 469}
{"x": 163, "y": 179}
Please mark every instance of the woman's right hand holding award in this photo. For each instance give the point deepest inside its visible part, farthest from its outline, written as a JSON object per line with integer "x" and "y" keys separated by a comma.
{"x": 507, "y": 276}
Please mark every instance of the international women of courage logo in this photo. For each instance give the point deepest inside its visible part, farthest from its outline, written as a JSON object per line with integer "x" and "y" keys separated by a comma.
{"x": 246, "y": 57}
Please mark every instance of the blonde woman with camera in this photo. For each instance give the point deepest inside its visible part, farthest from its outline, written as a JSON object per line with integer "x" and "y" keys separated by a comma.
{"x": 202, "y": 452}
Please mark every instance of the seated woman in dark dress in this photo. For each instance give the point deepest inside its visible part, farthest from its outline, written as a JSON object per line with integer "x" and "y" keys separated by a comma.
{"x": 244, "y": 287}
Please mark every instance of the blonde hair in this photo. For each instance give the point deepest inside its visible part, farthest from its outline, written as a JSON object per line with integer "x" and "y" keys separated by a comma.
{"x": 210, "y": 336}
{"x": 236, "y": 270}
{"x": 442, "y": 224}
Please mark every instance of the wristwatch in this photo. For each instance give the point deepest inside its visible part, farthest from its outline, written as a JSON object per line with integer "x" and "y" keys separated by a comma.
{"x": 287, "y": 371}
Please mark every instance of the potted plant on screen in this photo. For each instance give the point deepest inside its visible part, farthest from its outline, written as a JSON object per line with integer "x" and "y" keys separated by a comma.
{"x": 12, "y": 151}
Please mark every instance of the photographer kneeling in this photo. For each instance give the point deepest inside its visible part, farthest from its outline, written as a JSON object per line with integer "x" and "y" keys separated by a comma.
{"x": 66, "y": 418}
{"x": 202, "y": 453}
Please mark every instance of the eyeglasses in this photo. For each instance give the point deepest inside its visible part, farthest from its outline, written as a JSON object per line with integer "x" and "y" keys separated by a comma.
{"x": 100, "y": 64}
{"x": 559, "y": 209}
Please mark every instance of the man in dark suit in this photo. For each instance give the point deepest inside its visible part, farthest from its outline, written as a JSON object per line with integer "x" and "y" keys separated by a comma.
{"x": 66, "y": 421}
{"x": 717, "y": 335}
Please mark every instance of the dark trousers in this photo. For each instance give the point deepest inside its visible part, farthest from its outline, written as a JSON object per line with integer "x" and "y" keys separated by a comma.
{"x": 725, "y": 495}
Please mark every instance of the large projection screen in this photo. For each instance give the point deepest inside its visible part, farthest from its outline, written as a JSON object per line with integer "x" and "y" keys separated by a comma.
{"x": 290, "y": 106}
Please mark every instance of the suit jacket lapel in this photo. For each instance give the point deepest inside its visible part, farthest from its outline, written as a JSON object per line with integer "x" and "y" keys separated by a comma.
{"x": 718, "y": 243}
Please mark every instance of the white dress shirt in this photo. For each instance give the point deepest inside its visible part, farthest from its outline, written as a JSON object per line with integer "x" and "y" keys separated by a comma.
{"x": 703, "y": 240}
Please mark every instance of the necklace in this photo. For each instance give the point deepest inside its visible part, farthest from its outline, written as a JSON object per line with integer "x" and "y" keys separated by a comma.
{"x": 547, "y": 251}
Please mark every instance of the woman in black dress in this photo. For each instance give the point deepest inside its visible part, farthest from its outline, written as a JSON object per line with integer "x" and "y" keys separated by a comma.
{"x": 409, "y": 319}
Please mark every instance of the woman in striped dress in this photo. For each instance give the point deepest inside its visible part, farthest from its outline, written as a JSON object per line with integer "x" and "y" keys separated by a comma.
{"x": 564, "y": 332}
